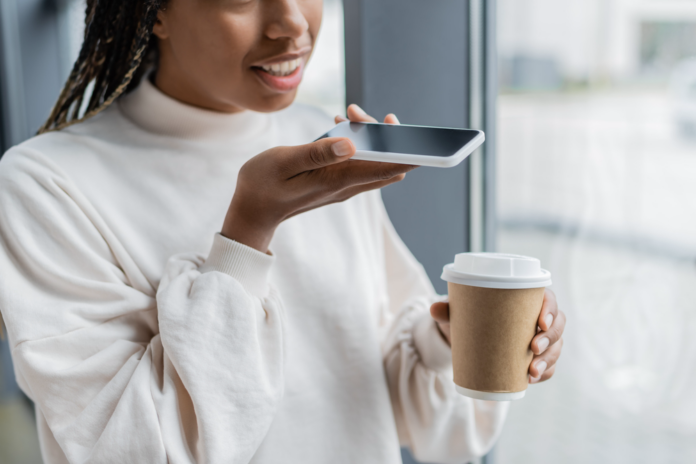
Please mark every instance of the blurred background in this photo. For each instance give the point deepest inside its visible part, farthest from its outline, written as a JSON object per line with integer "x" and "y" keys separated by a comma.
{"x": 594, "y": 144}
{"x": 597, "y": 177}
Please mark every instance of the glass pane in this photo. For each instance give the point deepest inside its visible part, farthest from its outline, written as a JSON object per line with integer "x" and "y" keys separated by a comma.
{"x": 597, "y": 178}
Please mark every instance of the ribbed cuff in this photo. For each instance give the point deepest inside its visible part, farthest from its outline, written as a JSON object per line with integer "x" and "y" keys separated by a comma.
{"x": 248, "y": 266}
{"x": 434, "y": 351}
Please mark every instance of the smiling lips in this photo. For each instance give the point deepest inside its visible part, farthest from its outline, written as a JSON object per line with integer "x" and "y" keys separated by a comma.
{"x": 281, "y": 77}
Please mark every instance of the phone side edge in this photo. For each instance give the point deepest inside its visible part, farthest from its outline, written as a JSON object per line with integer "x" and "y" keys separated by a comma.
{"x": 465, "y": 151}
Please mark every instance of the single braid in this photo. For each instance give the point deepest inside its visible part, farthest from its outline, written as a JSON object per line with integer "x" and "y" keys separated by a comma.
{"x": 118, "y": 48}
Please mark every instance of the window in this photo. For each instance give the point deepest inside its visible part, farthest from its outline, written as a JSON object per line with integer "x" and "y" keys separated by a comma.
{"x": 597, "y": 177}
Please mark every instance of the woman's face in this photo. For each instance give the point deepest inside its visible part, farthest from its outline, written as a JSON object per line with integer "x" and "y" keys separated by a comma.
{"x": 232, "y": 55}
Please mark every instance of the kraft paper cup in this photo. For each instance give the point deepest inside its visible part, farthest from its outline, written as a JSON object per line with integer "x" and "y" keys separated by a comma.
{"x": 495, "y": 300}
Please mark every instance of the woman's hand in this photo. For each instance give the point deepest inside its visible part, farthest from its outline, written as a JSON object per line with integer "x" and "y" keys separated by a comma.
{"x": 546, "y": 345}
{"x": 356, "y": 114}
{"x": 285, "y": 181}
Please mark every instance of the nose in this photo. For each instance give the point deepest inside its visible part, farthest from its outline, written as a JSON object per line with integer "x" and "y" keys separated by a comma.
{"x": 286, "y": 20}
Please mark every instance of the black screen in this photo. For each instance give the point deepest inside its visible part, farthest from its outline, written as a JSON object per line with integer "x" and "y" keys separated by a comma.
{"x": 410, "y": 140}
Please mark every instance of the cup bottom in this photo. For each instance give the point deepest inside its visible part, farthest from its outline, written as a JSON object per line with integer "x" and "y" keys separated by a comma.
{"x": 490, "y": 396}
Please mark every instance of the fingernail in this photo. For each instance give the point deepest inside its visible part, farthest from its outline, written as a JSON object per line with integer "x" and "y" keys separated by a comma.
{"x": 549, "y": 320}
{"x": 540, "y": 367}
{"x": 542, "y": 344}
{"x": 395, "y": 118}
{"x": 342, "y": 148}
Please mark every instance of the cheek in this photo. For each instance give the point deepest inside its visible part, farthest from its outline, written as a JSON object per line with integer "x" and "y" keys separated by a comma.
{"x": 215, "y": 45}
{"x": 236, "y": 37}
{"x": 312, "y": 11}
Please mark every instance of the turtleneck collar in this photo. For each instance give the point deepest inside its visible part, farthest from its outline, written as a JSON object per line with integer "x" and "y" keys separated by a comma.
{"x": 152, "y": 110}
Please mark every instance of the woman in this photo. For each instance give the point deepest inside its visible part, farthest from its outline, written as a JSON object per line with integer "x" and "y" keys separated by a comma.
{"x": 299, "y": 333}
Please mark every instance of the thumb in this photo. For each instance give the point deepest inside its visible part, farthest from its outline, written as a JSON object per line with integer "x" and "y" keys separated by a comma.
{"x": 440, "y": 312}
{"x": 321, "y": 153}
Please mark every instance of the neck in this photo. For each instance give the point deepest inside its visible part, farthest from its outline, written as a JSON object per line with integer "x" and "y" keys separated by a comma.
{"x": 154, "y": 111}
{"x": 176, "y": 84}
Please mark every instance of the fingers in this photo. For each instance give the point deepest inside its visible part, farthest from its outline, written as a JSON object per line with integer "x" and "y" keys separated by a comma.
{"x": 544, "y": 339}
{"x": 357, "y": 114}
{"x": 391, "y": 119}
{"x": 549, "y": 310}
{"x": 346, "y": 175}
{"x": 315, "y": 186}
{"x": 548, "y": 373}
{"x": 547, "y": 344}
{"x": 545, "y": 363}
{"x": 444, "y": 329}
{"x": 348, "y": 193}
{"x": 316, "y": 155}
{"x": 440, "y": 312}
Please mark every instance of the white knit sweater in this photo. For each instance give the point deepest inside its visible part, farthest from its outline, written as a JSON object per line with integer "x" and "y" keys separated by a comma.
{"x": 144, "y": 337}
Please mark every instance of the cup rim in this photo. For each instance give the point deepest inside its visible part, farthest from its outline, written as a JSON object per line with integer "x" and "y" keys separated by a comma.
{"x": 449, "y": 274}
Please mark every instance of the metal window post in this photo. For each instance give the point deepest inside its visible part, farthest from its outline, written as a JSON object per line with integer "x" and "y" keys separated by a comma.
{"x": 483, "y": 94}
{"x": 490, "y": 121}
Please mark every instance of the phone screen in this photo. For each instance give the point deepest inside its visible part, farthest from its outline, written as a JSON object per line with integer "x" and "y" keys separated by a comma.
{"x": 410, "y": 140}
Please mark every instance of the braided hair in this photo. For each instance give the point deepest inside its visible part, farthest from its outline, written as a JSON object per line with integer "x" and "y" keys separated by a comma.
{"x": 118, "y": 49}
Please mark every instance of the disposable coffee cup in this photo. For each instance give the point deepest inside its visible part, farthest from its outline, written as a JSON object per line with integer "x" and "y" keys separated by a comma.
{"x": 495, "y": 300}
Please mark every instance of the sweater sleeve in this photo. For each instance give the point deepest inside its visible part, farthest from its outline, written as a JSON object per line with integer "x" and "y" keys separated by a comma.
{"x": 433, "y": 420}
{"x": 191, "y": 372}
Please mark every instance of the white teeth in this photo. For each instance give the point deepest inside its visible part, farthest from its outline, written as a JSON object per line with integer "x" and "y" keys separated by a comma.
{"x": 282, "y": 69}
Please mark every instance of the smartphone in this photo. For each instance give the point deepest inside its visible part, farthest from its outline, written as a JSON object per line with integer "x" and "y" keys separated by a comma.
{"x": 418, "y": 145}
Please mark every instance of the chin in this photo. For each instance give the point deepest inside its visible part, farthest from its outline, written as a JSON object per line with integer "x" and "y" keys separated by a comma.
{"x": 274, "y": 103}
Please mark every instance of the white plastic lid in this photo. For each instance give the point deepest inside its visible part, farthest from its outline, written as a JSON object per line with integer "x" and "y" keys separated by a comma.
{"x": 496, "y": 270}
